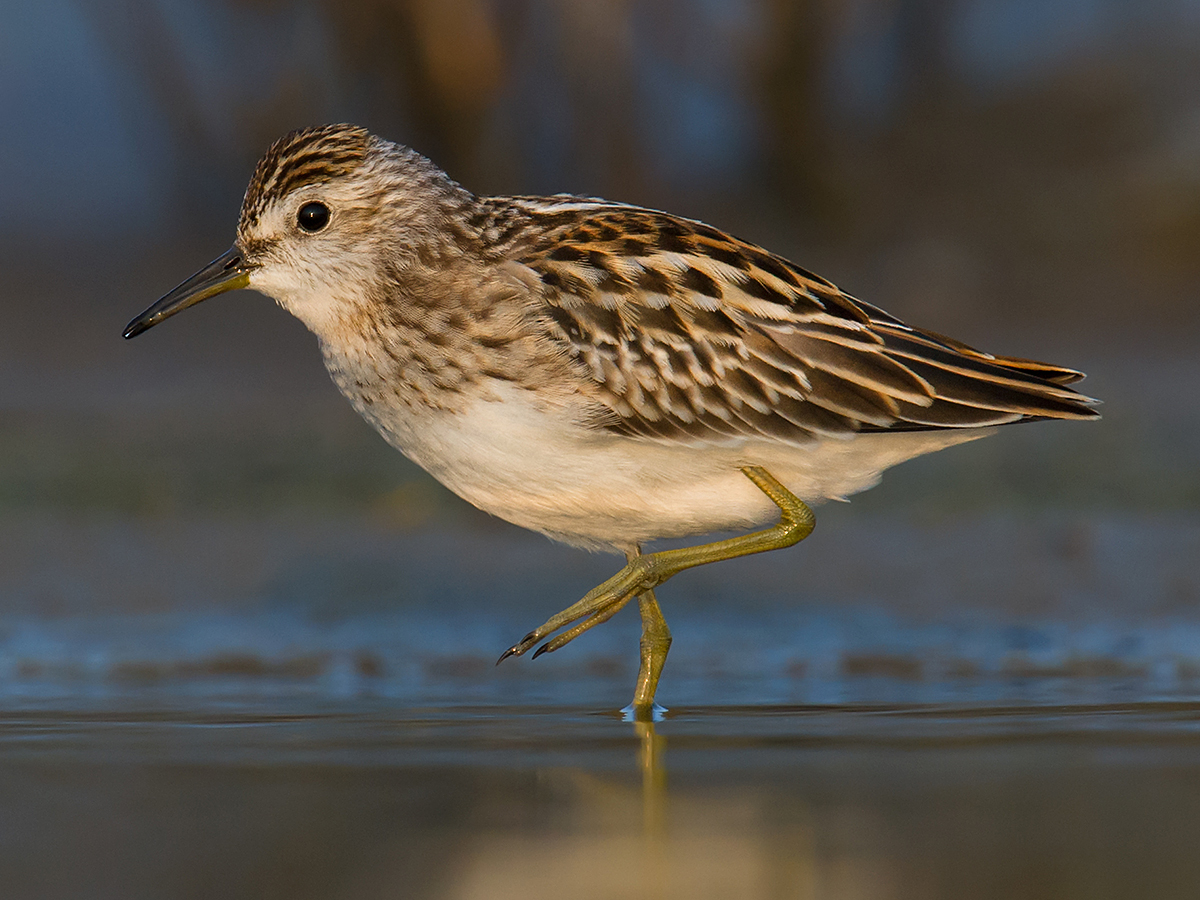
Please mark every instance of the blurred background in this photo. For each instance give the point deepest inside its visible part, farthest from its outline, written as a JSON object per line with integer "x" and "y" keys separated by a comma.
{"x": 1022, "y": 175}
{"x": 197, "y": 521}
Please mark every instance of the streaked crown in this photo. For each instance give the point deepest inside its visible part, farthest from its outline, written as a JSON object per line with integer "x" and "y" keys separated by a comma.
{"x": 307, "y": 156}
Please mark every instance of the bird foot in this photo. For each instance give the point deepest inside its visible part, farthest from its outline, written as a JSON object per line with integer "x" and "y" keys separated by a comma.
{"x": 598, "y": 606}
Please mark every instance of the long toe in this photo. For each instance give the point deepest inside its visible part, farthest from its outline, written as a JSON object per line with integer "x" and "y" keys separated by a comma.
{"x": 598, "y": 606}
{"x": 597, "y": 618}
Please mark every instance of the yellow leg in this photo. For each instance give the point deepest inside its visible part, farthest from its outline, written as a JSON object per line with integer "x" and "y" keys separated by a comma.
{"x": 656, "y": 641}
{"x": 644, "y": 573}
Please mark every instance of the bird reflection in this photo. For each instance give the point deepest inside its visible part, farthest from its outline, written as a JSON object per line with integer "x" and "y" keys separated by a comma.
{"x": 652, "y": 761}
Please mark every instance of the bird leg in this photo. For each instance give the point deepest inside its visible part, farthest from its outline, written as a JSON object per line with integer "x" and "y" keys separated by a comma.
{"x": 643, "y": 573}
{"x": 656, "y": 641}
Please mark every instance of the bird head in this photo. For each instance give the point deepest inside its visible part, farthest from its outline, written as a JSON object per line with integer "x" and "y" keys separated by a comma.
{"x": 331, "y": 216}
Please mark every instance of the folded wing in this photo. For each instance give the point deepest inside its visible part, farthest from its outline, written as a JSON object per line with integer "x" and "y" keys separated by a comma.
{"x": 690, "y": 333}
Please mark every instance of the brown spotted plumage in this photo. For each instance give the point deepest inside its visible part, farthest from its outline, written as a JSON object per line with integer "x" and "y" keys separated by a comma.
{"x": 691, "y": 334}
{"x": 604, "y": 374}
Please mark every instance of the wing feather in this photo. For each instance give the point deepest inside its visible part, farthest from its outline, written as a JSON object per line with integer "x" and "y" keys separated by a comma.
{"x": 691, "y": 334}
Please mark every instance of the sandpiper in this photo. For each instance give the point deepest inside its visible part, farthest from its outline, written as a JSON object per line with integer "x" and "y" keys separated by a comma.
{"x": 605, "y": 374}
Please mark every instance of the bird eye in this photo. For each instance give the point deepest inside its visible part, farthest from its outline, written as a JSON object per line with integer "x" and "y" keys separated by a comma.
{"x": 313, "y": 216}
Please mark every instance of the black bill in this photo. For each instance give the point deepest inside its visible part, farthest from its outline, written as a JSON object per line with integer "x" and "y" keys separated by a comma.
{"x": 228, "y": 272}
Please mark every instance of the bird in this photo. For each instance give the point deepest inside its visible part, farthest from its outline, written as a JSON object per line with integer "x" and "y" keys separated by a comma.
{"x": 605, "y": 374}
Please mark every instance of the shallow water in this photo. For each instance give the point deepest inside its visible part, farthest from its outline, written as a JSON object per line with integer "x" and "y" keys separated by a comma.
{"x": 367, "y": 798}
{"x": 249, "y": 708}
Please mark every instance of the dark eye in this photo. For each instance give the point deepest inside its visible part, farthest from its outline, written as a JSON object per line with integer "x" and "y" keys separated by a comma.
{"x": 313, "y": 216}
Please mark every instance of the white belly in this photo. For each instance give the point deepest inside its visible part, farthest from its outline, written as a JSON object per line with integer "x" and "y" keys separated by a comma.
{"x": 604, "y": 491}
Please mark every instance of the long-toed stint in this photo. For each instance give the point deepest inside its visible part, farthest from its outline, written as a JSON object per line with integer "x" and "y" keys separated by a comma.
{"x": 605, "y": 374}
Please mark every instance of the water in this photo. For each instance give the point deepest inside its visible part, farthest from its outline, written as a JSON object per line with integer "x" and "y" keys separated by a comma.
{"x": 310, "y": 708}
{"x": 374, "y": 799}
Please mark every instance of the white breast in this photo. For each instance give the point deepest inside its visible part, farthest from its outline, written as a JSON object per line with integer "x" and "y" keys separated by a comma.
{"x": 534, "y": 467}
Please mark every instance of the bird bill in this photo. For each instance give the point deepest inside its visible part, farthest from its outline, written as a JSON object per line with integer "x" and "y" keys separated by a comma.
{"x": 228, "y": 272}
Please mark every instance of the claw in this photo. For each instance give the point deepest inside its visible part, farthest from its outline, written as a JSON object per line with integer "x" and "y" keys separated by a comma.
{"x": 520, "y": 647}
{"x": 511, "y": 651}
{"x": 559, "y": 641}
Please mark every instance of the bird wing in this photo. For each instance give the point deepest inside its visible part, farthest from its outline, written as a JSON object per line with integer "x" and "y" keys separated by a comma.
{"x": 688, "y": 332}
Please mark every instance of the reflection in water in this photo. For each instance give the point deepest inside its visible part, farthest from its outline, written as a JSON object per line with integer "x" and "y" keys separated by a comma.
{"x": 365, "y": 800}
{"x": 652, "y": 759}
